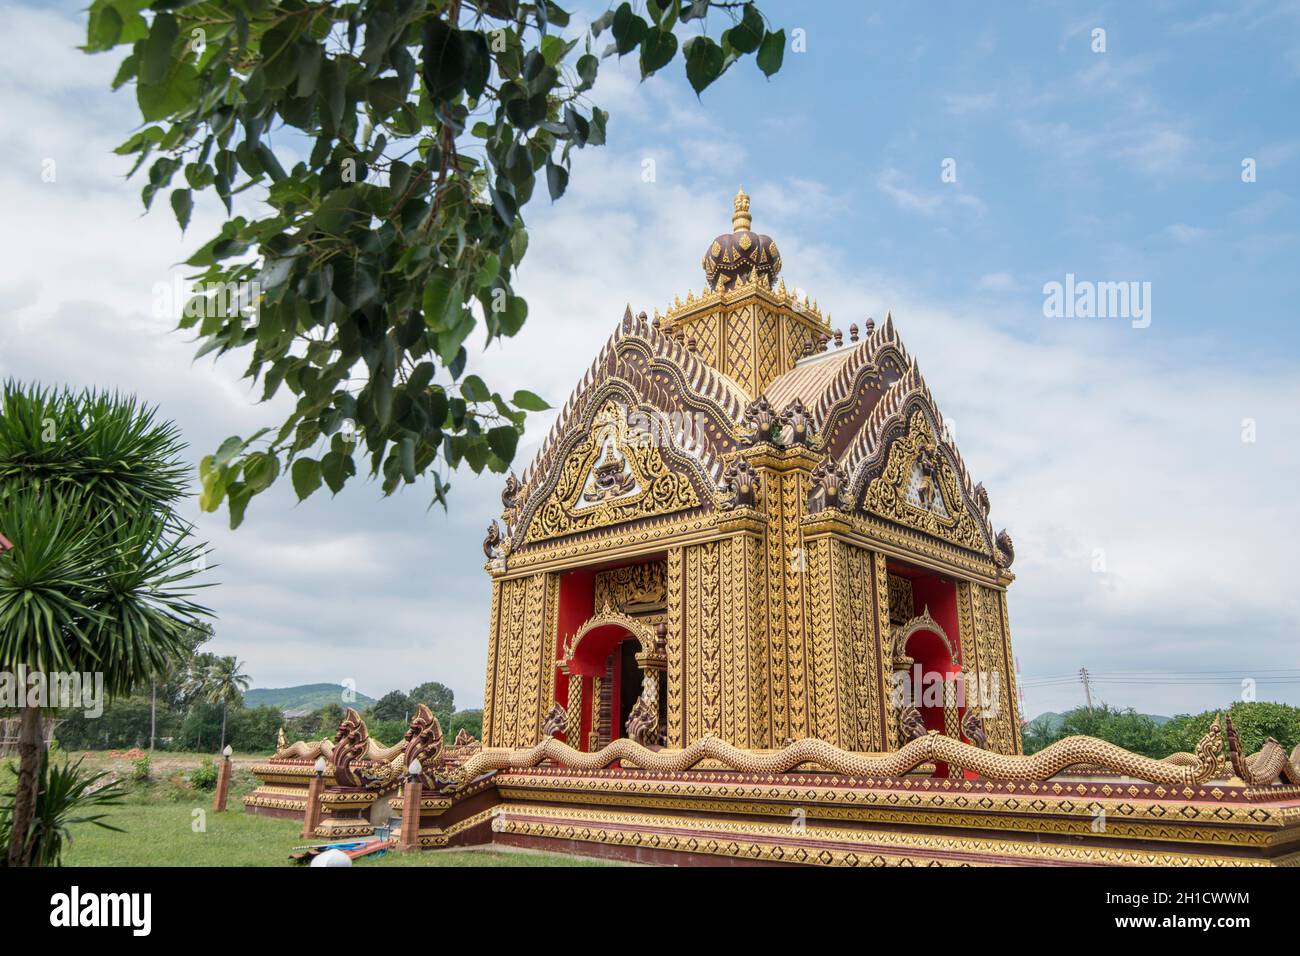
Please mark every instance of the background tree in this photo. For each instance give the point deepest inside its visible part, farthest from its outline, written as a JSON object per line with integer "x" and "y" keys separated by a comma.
{"x": 422, "y": 128}
{"x": 471, "y": 720}
{"x": 174, "y": 672}
{"x": 225, "y": 685}
{"x": 99, "y": 578}
{"x": 392, "y": 706}
{"x": 438, "y": 698}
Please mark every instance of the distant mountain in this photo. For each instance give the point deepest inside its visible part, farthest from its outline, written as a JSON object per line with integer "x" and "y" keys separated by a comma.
{"x": 304, "y": 697}
{"x": 1050, "y": 721}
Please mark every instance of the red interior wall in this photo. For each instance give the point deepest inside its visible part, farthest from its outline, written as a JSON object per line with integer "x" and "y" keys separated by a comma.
{"x": 577, "y": 604}
{"x": 939, "y": 595}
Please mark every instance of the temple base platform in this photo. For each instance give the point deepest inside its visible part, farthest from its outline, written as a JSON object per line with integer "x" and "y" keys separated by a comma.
{"x": 716, "y": 818}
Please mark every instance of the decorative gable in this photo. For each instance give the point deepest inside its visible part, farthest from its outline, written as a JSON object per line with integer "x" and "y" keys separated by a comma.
{"x": 918, "y": 487}
{"x": 614, "y": 474}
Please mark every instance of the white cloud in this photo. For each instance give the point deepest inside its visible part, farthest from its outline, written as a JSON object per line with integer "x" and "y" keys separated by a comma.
{"x": 997, "y": 282}
{"x": 1181, "y": 232}
{"x": 962, "y": 104}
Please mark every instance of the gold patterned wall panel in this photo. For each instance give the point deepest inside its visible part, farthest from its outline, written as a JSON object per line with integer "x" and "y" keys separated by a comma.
{"x": 676, "y": 664}
{"x": 521, "y": 657}
{"x": 884, "y": 665}
{"x": 902, "y": 606}
{"x": 720, "y": 606}
{"x": 995, "y": 683}
{"x": 824, "y": 624}
{"x": 864, "y": 648}
{"x": 970, "y": 664}
{"x": 740, "y": 349}
{"x": 637, "y": 590}
{"x": 1013, "y": 698}
{"x": 490, "y": 679}
{"x": 767, "y": 349}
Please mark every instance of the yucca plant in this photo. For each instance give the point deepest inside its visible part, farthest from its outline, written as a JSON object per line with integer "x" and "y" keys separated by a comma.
{"x": 66, "y": 796}
{"x": 99, "y": 579}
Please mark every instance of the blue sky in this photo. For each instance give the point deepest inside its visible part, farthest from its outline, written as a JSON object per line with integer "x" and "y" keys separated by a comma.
{"x": 1150, "y": 537}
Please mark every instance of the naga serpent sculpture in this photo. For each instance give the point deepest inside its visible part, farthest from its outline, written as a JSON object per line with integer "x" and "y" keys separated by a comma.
{"x": 1205, "y": 763}
{"x": 1265, "y": 768}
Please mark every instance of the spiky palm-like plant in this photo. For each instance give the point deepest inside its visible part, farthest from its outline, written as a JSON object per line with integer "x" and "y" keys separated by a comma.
{"x": 99, "y": 577}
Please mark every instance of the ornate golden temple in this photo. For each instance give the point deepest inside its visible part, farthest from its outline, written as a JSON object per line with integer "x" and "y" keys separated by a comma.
{"x": 752, "y": 527}
{"x": 748, "y": 607}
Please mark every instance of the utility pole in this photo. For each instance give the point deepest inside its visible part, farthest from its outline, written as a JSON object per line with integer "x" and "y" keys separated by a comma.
{"x": 1087, "y": 685}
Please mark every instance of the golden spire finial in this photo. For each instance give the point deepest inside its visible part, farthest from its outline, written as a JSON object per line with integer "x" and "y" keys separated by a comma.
{"x": 740, "y": 217}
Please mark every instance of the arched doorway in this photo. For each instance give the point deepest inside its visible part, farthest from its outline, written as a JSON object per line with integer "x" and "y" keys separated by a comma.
{"x": 925, "y": 667}
{"x": 605, "y": 663}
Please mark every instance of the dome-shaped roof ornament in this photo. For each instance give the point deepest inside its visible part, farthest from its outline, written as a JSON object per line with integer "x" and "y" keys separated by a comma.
{"x": 736, "y": 254}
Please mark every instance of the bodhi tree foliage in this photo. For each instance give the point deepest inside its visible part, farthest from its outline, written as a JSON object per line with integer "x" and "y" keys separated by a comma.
{"x": 389, "y": 148}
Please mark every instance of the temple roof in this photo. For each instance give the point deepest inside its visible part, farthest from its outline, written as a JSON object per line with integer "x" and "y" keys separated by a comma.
{"x": 696, "y": 382}
{"x": 808, "y": 380}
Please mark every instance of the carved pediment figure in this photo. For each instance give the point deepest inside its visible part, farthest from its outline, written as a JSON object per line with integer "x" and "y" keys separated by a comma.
{"x": 492, "y": 541}
{"x": 740, "y": 482}
{"x": 924, "y": 487}
{"x": 510, "y": 494}
{"x": 982, "y": 498}
{"x": 1006, "y": 552}
{"x": 759, "y": 420}
{"x": 610, "y": 478}
{"x": 828, "y": 484}
{"x": 798, "y": 421}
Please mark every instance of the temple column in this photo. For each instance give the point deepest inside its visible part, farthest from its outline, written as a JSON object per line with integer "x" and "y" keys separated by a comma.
{"x": 783, "y": 475}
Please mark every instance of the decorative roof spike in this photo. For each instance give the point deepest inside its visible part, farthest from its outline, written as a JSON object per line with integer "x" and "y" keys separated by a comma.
{"x": 740, "y": 218}
{"x": 853, "y": 332}
{"x": 627, "y": 318}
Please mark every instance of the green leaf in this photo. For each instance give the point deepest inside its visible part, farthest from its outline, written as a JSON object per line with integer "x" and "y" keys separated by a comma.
{"x": 473, "y": 389}
{"x": 628, "y": 29}
{"x": 772, "y": 52}
{"x": 441, "y": 300}
{"x": 407, "y": 448}
{"x": 231, "y": 447}
{"x": 306, "y": 475}
{"x": 657, "y": 50}
{"x": 703, "y": 62}
{"x": 528, "y": 401}
{"x": 336, "y": 468}
{"x": 182, "y": 205}
{"x": 746, "y": 35}
{"x": 502, "y": 440}
{"x": 557, "y": 179}
{"x": 443, "y": 60}
{"x": 155, "y": 62}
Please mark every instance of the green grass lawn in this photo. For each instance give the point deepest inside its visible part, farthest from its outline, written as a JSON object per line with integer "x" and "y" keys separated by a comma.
{"x": 173, "y": 835}
{"x": 169, "y": 823}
